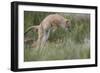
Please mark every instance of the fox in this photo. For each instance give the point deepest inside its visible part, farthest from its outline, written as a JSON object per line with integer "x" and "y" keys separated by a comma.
{"x": 48, "y": 24}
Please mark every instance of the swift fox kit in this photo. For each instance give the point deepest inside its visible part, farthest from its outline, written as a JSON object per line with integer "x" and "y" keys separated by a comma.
{"x": 49, "y": 23}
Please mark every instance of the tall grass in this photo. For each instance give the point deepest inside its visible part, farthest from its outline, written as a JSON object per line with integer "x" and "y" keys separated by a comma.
{"x": 61, "y": 45}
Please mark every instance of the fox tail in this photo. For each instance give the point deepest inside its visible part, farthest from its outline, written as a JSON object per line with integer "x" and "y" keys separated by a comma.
{"x": 30, "y": 28}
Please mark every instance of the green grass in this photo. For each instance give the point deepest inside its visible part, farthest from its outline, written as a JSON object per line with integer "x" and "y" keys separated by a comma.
{"x": 61, "y": 45}
{"x": 58, "y": 51}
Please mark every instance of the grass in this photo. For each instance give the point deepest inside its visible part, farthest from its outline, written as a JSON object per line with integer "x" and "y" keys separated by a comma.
{"x": 58, "y": 51}
{"x": 61, "y": 45}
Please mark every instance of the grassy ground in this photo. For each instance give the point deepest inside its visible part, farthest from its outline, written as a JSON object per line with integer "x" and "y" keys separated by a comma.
{"x": 61, "y": 44}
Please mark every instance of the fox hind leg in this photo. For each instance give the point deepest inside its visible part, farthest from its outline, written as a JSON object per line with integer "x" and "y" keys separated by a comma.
{"x": 44, "y": 40}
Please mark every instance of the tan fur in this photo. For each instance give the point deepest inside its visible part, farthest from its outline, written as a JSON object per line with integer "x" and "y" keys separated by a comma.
{"x": 49, "y": 23}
